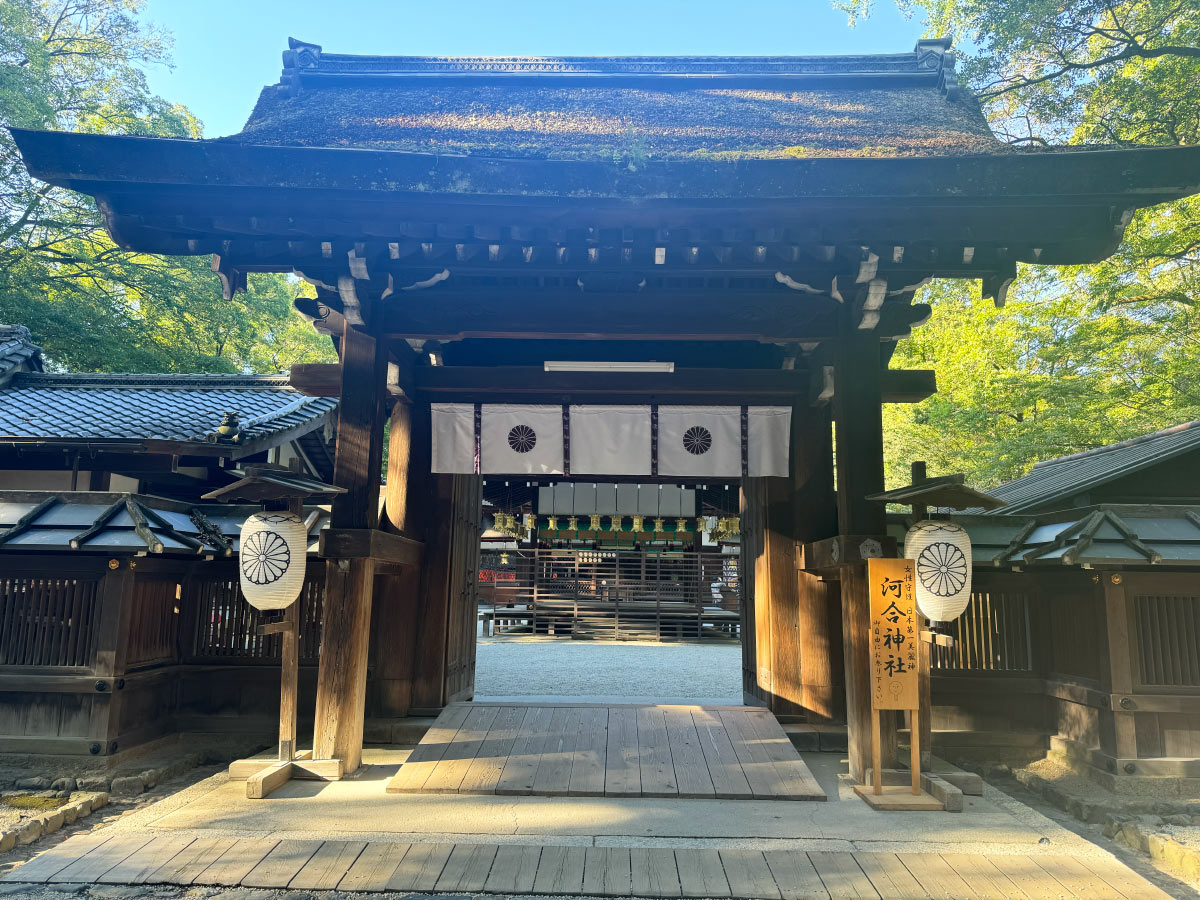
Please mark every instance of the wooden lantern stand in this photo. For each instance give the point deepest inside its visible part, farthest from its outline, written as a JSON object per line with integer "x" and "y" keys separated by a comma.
{"x": 267, "y": 485}
{"x": 947, "y": 491}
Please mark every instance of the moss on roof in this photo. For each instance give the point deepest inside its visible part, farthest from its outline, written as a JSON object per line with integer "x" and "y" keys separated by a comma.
{"x": 624, "y": 123}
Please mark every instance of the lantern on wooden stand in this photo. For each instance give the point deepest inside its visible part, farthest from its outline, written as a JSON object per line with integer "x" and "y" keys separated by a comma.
{"x": 272, "y": 559}
{"x": 941, "y": 555}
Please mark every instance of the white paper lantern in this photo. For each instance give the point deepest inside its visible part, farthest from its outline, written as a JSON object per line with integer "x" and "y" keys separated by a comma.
{"x": 272, "y": 559}
{"x": 941, "y": 552}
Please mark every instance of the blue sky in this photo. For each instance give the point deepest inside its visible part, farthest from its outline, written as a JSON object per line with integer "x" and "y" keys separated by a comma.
{"x": 226, "y": 50}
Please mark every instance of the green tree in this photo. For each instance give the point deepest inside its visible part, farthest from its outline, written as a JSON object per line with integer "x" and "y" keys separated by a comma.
{"x": 1084, "y": 355}
{"x": 77, "y": 65}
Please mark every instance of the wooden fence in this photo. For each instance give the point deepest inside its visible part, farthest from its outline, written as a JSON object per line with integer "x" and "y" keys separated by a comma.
{"x": 614, "y": 594}
{"x": 47, "y": 621}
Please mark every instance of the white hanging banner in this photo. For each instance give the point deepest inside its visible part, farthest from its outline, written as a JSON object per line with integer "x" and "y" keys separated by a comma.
{"x": 453, "y": 437}
{"x": 768, "y": 429}
{"x": 610, "y": 440}
{"x": 700, "y": 441}
{"x": 521, "y": 440}
{"x": 693, "y": 441}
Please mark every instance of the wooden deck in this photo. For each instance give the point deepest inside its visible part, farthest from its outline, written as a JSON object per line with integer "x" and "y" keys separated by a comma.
{"x": 127, "y": 856}
{"x": 607, "y": 751}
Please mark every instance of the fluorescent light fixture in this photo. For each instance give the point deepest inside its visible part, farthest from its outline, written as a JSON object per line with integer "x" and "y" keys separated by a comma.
{"x": 558, "y": 365}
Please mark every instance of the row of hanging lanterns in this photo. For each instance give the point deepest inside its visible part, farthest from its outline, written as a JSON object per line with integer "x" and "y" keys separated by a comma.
{"x": 720, "y": 528}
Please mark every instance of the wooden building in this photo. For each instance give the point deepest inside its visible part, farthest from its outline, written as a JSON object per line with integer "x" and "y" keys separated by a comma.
{"x": 763, "y": 223}
{"x": 120, "y": 618}
{"x": 1083, "y": 633}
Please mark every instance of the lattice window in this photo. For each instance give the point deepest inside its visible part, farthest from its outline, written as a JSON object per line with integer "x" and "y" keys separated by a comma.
{"x": 46, "y": 621}
{"x": 1167, "y": 631}
{"x": 227, "y": 626}
{"x": 992, "y": 635}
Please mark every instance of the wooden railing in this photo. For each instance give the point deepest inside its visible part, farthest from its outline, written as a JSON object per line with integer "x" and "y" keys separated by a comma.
{"x": 992, "y": 635}
{"x": 614, "y": 594}
{"x": 226, "y": 626}
{"x": 46, "y": 621}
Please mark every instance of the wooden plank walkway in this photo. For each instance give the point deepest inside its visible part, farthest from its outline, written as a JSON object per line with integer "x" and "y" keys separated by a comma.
{"x": 121, "y": 856}
{"x": 594, "y": 750}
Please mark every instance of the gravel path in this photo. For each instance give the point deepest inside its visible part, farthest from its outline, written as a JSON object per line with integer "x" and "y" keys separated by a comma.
{"x": 561, "y": 667}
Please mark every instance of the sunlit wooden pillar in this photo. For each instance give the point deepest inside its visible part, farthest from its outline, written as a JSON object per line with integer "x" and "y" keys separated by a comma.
{"x": 405, "y": 508}
{"x": 349, "y": 583}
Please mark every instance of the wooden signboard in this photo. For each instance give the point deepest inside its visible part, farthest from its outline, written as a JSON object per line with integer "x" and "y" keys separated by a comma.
{"x": 895, "y": 652}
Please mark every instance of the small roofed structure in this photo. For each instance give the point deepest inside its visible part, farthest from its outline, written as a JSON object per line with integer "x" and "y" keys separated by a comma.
{"x": 164, "y": 434}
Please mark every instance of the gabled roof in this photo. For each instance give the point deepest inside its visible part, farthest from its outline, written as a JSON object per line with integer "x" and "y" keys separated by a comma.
{"x": 1110, "y": 534}
{"x": 634, "y": 108}
{"x": 115, "y": 523}
{"x": 18, "y": 350}
{"x": 185, "y": 409}
{"x": 1069, "y": 476}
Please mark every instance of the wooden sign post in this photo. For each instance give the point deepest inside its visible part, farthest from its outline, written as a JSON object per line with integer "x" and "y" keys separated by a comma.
{"x": 895, "y": 635}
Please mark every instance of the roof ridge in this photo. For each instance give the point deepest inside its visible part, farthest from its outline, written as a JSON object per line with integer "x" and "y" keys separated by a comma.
{"x": 147, "y": 380}
{"x": 930, "y": 61}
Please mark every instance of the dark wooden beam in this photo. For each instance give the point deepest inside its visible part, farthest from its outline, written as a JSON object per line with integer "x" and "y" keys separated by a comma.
{"x": 369, "y": 543}
{"x": 907, "y": 385}
{"x": 317, "y": 379}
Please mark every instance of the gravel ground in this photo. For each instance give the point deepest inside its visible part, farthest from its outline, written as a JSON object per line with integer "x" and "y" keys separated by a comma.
{"x": 561, "y": 667}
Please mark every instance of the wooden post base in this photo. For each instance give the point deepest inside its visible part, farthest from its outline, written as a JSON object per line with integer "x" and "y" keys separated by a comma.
{"x": 899, "y": 797}
{"x": 264, "y": 776}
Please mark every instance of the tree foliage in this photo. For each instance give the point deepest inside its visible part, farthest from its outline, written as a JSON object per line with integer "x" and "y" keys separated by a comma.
{"x": 77, "y": 65}
{"x": 1084, "y": 355}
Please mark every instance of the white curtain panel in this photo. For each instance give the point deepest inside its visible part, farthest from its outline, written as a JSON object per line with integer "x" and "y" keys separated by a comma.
{"x": 610, "y": 440}
{"x": 700, "y": 441}
{"x": 521, "y": 440}
{"x": 453, "y": 438}
{"x": 768, "y": 432}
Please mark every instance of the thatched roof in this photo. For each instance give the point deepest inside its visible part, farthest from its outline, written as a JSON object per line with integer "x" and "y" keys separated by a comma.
{"x": 625, "y": 109}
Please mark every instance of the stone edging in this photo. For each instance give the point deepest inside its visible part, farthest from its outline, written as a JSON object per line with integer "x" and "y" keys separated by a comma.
{"x": 32, "y": 828}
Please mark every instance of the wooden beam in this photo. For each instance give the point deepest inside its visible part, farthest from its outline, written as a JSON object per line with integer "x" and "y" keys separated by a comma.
{"x": 856, "y": 640}
{"x": 369, "y": 543}
{"x": 266, "y": 781}
{"x": 446, "y": 382}
{"x": 907, "y": 385}
{"x": 317, "y": 379}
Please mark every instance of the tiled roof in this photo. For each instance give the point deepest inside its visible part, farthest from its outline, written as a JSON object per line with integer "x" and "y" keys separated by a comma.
{"x": 17, "y": 348}
{"x": 126, "y": 523}
{"x": 1069, "y": 476}
{"x": 615, "y": 108}
{"x": 1108, "y": 534}
{"x": 154, "y": 407}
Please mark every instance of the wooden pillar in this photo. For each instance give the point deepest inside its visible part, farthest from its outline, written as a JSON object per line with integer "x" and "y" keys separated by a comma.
{"x": 114, "y": 596}
{"x": 858, "y": 414}
{"x": 406, "y": 503}
{"x": 1119, "y": 676}
{"x": 346, "y": 625}
{"x": 856, "y": 632}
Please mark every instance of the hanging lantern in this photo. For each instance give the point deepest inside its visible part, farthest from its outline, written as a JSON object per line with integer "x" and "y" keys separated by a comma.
{"x": 272, "y": 559}
{"x": 941, "y": 552}
{"x": 639, "y": 524}
{"x": 681, "y": 525}
{"x": 658, "y": 525}
{"x": 593, "y": 523}
{"x": 573, "y": 523}
{"x": 614, "y": 523}
{"x": 552, "y": 523}
{"x": 504, "y": 559}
